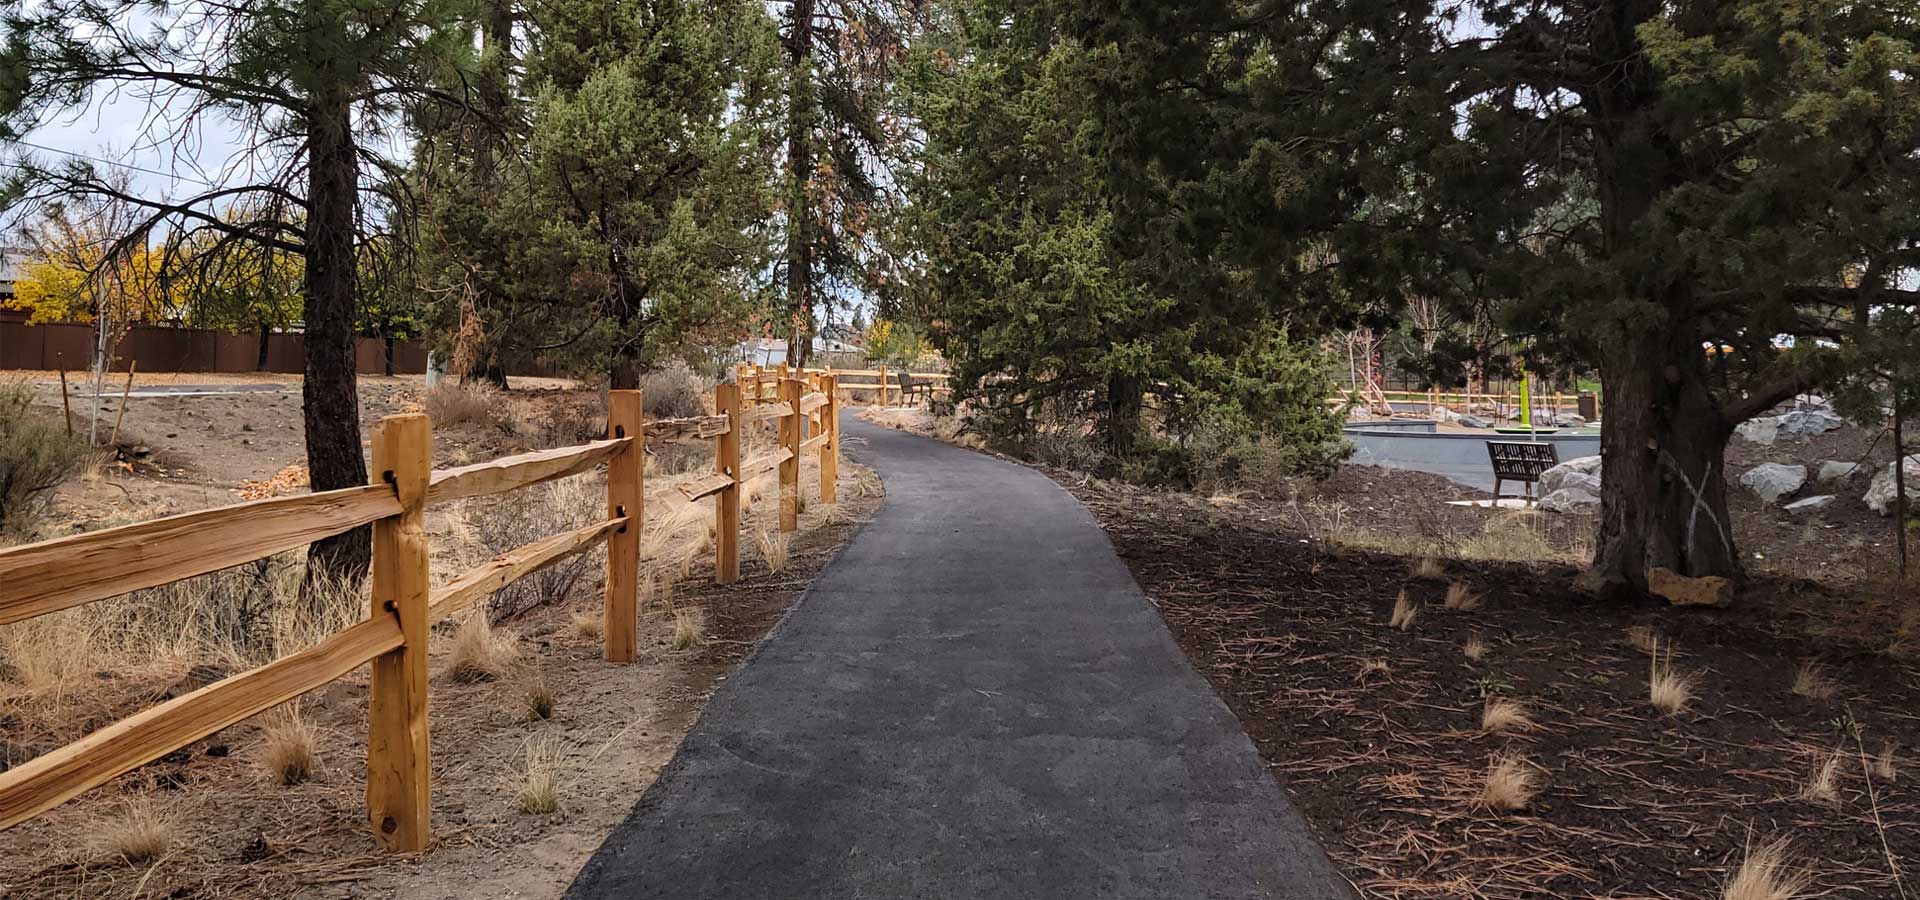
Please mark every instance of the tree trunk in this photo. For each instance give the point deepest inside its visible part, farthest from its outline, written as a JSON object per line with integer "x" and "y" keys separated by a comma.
{"x": 330, "y": 393}
{"x": 799, "y": 203}
{"x": 260, "y": 360}
{"x": 1663, "y": 493}
{"x": 388, "y": 355}
{"x": 1125, "y": 399}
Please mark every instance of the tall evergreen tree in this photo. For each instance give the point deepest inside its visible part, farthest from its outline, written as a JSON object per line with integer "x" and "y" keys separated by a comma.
{"x": 843, "y": 138}
{"x": 1055, "y": 281}
{"x": 1632, "y": 181}
{"x": 316, "y": 84}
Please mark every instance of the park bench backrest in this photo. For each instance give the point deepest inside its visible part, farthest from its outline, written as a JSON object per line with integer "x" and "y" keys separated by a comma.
{"x": 1517, "y": 461}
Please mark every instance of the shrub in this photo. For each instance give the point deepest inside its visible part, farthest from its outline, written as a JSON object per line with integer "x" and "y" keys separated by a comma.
{"x": 485, "y": 529}
{"x": 36, "y": 455}
{"x": 673, "y": 392}
{"x": 452, "y": 403}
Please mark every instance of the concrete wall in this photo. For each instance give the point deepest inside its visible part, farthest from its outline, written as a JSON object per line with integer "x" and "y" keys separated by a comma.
{"x": 1461, "y": 457}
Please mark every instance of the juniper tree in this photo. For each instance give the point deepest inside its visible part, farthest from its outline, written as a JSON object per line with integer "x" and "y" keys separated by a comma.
{"x": 1630, "y": 181}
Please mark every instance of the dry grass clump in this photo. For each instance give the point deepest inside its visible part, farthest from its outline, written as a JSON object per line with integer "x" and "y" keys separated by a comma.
{"x": 589, "y": 625}
{"x": 1811, "y": 681}
{"x": 1429, "y": 568}
{"x": 775, "y": 546}
{"x": 675, "y": 539}
{"x": 1511, "y": 784}
{"x": 1642, "y": 638}
{"x": 1668, "y": 690}
{"x": 140, "y": 832}
{"x": 1405, "y": 611}
{"x": 1476, "y": 647}
{"x": 451, "y": 403}
{"x": 689, "y": 628}
{"x": 1767, "y": 874}
{"x": 1823, "y": 784}
{"x": 289, "y": 749}
{"x": 37, "y": 455}
{"x": 1501, "y": 714}
{"x": 236, "y": 618}
{"x": 1371, "y": 667}
{"x": 538, "y": 785}
{"x": 480, "y": 652}
{"x": 1885, "y": 766}
{"x": 536, "y": 701}
{"x": 1461, "y": 597}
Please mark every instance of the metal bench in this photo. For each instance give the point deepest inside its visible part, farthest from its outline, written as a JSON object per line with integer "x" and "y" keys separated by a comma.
{"x": 1522, "y": 462}
{"x": 911, "y": 387}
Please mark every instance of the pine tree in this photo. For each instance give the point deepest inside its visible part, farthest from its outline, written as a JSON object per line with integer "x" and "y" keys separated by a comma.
{"x": 314, "y": 83}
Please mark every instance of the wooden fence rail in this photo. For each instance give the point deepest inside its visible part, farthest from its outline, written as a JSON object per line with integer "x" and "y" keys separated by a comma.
{"x": 42, "y": 578}
{"x": 760, "y": 384}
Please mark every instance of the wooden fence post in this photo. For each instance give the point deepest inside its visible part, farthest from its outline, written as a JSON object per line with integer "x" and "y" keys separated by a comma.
{"x": 883, "y": 385}
{"x": 790, "y": 393}
{"x": 626, "y": 496}
{"x": 399, "y": 791}
{"x": 830, "y": 451}
{"x": 726, "y": 504}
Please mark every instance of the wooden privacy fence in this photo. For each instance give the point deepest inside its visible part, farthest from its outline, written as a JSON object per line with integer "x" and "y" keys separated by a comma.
{"x": 42, "y": 578}
{"x": 760, "y": 382}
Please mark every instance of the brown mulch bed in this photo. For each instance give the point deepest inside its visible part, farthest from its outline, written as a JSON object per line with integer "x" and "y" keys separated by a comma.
{"x": 1375, "y": 732}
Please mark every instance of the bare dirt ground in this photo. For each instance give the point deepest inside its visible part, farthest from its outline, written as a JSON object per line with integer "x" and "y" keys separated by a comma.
{"x": 233, "y": 833}
{"x": 1285, "y": 598}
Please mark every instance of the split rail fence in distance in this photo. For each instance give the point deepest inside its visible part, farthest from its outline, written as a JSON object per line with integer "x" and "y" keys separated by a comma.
{"x": 37, "y": 579}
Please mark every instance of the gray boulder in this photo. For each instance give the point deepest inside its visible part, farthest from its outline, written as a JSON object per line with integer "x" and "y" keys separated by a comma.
{"x": 1834, "y": 469}
{"x": 1811, "y": 504}
{"x": 1809, "y": 422}
{"x": 1588, "y": 467}
{"x": 1472, "y": 422}
{"x": 1774, "y": 480}
{"x": 1880, "y": 490}
{"x": 1763, "y": 430}
{"x": 1572, "y": 500}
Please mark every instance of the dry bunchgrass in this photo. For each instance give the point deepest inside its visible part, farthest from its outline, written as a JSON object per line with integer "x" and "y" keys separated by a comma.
{"x": 775, "y": 546}
{"x": 1476, "y": 647}
{"x": 1812, "y": 682}
{"x": 1668, "y": 690}
{"x": 1886, "y": 766}
{"x": 536, "y": 700}
{"x": 1429, "y": 568}
{"x": 1372, "y": 667}
{"x": 589, "y": 625}
{"x": 139, "y": 832}
{"x": 1511, "y": 784}
{"x": 1767, "y": 873}
{"x": 537, "y": 784}
{"x": 1405, "y": 611}
{"x": 289, "y": 749}
{"x": 1501, "y": 714}
{"x": 452, "y": 403}
{"x": 1823, "y": 783}
{"x": 236, "y": 618}
{"x": 1642, "y": 638}
{"x": 1461, "y": 597}
{"x": 480, "y": 652}
{"x": 689, "y": 628}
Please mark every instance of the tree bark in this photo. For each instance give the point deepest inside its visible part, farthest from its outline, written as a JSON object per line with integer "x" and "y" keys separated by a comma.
{"x": 1125, "y": 399}
{"x": 332, "y": 400}
{"x": 260, "y": 361}
{"x": 799, "y": 203}
{"x": 1663, "y": 445}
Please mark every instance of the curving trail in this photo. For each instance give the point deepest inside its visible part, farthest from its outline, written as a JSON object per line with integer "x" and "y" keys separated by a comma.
{"x": 973, "y": 700}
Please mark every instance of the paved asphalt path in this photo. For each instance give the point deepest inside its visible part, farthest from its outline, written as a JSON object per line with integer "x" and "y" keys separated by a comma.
{"x": 973, "y": 701}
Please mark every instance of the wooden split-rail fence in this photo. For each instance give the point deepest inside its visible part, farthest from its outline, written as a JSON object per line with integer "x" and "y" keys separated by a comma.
{"x": 761, "y": 382}
{"x": 38, "y": 579}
